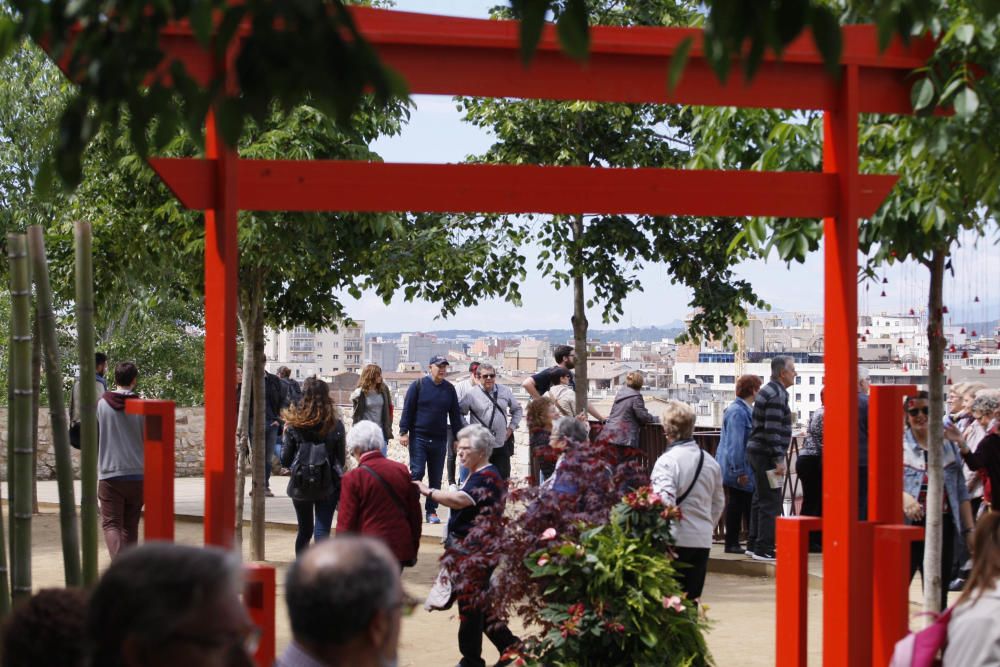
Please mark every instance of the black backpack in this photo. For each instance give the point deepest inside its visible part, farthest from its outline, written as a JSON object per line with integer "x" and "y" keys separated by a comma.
{"x": 312, "y": 475}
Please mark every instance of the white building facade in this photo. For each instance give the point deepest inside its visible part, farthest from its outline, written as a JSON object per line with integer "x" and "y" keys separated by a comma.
{"x": 322, "y": 353}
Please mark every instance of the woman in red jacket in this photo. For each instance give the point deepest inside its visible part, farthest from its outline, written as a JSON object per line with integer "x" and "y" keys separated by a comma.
{"x": 377, "y": 498}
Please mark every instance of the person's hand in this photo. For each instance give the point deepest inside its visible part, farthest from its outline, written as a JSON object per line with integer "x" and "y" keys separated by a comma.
{"x": 423, "y": 488}
{"x": 404, "y": 439}
{"x": 743, "y": 480}
{"x": 912, "y": 509}
{"x": 510, "y": 432}
{"x": 968, "y": 543}
{"x": 582, "y": 417}
{"x": 952, "y": 433}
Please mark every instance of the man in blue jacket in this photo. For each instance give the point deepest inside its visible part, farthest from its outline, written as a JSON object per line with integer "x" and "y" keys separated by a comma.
{"x": 430, "y": 403}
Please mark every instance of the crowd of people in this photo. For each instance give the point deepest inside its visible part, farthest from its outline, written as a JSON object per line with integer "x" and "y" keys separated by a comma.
{"x": 466, "y": 428}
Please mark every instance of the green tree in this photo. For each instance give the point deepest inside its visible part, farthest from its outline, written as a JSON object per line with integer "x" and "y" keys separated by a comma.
{"x": 609, "y": 250}
{"x": 949, "y": 186}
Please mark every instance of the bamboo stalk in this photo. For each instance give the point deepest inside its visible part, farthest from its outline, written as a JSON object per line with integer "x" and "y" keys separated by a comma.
{"x": 20, "y": 290}
{"x": 57, "y": 414}
{"x": 258, "y": 448}
{"x": 36, "y": 390}
{"x": 10, "y": 440}
{"x": 88, "y": 400}
{"x": 4, "y": 571}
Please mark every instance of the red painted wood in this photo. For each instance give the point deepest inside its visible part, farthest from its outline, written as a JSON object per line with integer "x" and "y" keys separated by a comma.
{"x": 841, "y": 595}
{"x": 890, "y": 587}
{"x": 885, "y": 463}
{"x": 221, "y": 276}
{"x": 158, "y": 467}
{"x": 259, "y": 594}
{"x": 361, "y": 186}
{"x": 792, "y": 589}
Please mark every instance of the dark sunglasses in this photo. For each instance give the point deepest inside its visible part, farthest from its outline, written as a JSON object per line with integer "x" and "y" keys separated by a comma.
{"x": 913, "y": 412}
{"x": 487, "y": 376}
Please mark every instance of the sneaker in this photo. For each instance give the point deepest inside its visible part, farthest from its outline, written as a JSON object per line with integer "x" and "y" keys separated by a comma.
{"x": 268, "y": 493}
{"x": 734, "y": 549}
{"x": 956, "y": 585}
{"x": 766, "y": 557}
{"x": 433, "y": 518}
{"x": 748, "y": 552}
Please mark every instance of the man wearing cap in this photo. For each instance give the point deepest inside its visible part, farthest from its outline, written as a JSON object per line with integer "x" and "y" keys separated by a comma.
{"x": 430, "y": 403}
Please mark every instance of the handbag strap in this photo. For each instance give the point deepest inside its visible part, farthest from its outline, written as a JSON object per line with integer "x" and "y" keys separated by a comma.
{"x": 385, "y": 485}
{"x": 697, "y": 473}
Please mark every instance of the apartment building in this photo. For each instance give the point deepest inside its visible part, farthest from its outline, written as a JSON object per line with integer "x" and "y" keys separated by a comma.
{"x": 323, "y": 353}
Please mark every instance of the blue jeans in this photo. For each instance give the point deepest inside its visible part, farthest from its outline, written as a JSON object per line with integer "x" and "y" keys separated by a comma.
{"x": 270, "y": 439}
{"x": 320, "y": 529}
{"x": 428, "y": 453}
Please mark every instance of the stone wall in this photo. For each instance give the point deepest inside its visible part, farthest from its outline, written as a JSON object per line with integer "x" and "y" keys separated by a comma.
{"x": 189, "y": 448}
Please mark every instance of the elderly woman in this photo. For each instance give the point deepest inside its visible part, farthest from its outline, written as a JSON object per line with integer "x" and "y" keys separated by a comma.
{"x": 377, "y": 498}
{"x": 628, "y": 413}
{"x": 985, "y": 454}
{"x": 689, "y": 478}
{"x": 956, "y": 511}
{"x": 737, "y": 477}
{"x": 481, "y": 493}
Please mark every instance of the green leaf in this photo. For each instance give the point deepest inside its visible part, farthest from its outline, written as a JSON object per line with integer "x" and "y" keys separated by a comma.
{"x": 573, "y": 29}
{"x": 966, "y": 102}
{"x": 532, "y": 22}
{"x": 965, "y": 32}
{"x": 826, "y": 34}
{"x": 677, "y": 62}
{"x": 201, "y": 21}
{"x": 922, "y": 93}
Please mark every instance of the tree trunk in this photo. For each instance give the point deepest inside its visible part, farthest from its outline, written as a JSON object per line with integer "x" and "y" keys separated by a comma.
{"x": 935, "y": 436}
{"x": 88, "y": 399}
{"x": 242, "y": 419}
{"x": 36, "y": 390}
{"x": 57, "y": 413}
{"x": 20, "y": 413}
{"x": 258, "y": 450}
{"x": 579, "y": 319}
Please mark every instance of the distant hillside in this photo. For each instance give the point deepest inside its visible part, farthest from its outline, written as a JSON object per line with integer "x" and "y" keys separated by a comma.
{"x": 555, "y": 336}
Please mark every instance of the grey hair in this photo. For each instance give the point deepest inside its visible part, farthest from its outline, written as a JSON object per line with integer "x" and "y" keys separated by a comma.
{"x": 986, "y": 404}
{"x": 151, "y": 589}
{"x": 365, "y": 436}
{"x": 483, "y": 367}
{"x": 571, "y": 428}
{"x": 779, "y": 363}
{"x": 480, "y": 438}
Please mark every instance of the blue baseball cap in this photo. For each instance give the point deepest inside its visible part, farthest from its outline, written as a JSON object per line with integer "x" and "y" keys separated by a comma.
{"x": 438, "y": 360}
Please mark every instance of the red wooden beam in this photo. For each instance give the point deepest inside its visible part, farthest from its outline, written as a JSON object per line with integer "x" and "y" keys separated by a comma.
{"x": 259, "y": 594}
{"x": 158, "y": 467}
{"x": 792, "y": 589}
{"x": 890, "y": 612}
{"x": 362, "y": 186}
{"x": 885, "y": 465}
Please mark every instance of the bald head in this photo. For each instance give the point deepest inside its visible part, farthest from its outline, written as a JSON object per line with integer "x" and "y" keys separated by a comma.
{"x": 338, "y": 587}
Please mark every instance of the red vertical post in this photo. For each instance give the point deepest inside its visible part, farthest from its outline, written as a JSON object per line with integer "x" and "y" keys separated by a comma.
{"x": 221, "y": 276}
{"x": 792, "y": 589}
{"x": 842, "y": 644}
{"x": 885, "y": 434}
{"x": 258, "y": 597}
{"x": 891, "y": 588}
{"x": 158, "y": 467}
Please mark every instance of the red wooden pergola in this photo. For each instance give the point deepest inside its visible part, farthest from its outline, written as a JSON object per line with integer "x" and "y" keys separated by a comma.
{"x": 865, "y": 563}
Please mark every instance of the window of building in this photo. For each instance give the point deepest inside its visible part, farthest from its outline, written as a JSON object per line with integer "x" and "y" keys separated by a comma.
{"x": 798, "y": 397}
{"x": 798, "y": 415}
{"x": 336, "y": 356}
{"x": 727, "y": 379}
{"x": 812, "y": 379}
{"x": 812, "y": 398}
{"x": 798, "y": 379}
{"x": 707, "y": 379}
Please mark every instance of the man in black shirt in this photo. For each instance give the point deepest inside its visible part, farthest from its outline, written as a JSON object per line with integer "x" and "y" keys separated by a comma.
{"x": 540, "y": 382}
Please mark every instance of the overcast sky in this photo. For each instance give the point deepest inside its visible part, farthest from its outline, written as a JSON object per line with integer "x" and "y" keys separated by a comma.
{"x": 437, "y": 134}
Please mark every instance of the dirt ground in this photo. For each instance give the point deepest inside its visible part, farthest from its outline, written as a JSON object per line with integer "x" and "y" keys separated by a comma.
{"x": 741, "y": 608}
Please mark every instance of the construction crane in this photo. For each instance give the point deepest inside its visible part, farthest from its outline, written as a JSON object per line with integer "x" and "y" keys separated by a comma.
{"x": 741, "y": 349}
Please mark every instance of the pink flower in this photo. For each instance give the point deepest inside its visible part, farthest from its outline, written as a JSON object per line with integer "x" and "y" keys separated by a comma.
{"x": 543, "y": 560}
{"x": 549, "y": 534}
{"x": 673, "y": 602}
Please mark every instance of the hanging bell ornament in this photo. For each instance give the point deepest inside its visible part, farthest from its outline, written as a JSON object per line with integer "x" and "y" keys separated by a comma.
{"x": 973, "y": 333}
{"x": 953, "y": 349}
{"x": 976, "y": 300}
{"x": 885, "y": 281}
{"x": 962, "y": 331}
{"x": 900, "y": 341}
{"x": 944, "y": 309}
{"x": 912, "y": 312}
{"x": 982, "y": 371}
{"x": 883, "y": 292}
{"x": 965, "y": 354}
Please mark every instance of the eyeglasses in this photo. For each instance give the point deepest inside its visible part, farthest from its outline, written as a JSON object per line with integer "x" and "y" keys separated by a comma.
{"x": 913, "y": 412}
{"x": 488, "y": 376}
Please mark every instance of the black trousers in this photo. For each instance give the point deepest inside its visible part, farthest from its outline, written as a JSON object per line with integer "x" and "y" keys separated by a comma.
{"x": 692, "y": 579}
{"x": 501, "y": 459}
{"x": 737, "y": 509}
{"x": 810, "y": 471}
{"x": 473, "y": 624}
{"x": 765, "y": 508}
{"x": 947, "y": 550}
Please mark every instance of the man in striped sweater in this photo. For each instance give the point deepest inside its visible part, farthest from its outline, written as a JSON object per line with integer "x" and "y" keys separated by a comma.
{"x": 770, "y": 436}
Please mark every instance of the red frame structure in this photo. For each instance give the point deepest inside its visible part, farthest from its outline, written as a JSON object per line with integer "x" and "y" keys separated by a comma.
{"x": 453, "y": 56}
{"x": 158, "y": 466}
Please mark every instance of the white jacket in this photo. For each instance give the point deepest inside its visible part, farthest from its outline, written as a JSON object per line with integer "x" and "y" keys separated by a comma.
{"x": 564, "y": 396}
{"x": 974, "y": 633}
{"x": 673, "y": 474}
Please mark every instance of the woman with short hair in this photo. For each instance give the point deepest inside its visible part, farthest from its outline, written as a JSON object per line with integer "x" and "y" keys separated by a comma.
{"x": 372, "y": 402}
{"x": 562, "y": 395}
{"x": 314, "y": 451}
{"x": 737, "y": 477}
{"x": 628, "y": 414}
{"x": 481, "y": 493}
{"x": 687, "y": 477}
{"x": 984, "y": 455}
